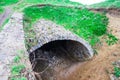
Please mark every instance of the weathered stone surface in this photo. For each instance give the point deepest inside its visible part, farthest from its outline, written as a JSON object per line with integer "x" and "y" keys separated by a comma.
{"x": 117, "y": 63}
{"x": 113, "y": 77}
{"x": 57, "y": 49}
{"x": 47, "y": 31}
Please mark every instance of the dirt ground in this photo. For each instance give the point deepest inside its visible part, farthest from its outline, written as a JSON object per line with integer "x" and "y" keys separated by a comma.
{"x": 99, "y": 67}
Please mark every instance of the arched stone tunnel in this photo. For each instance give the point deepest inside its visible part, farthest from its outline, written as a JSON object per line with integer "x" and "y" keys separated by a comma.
{"x": 56, "y": 48}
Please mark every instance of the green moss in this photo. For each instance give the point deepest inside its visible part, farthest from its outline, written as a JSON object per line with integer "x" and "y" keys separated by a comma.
{"x": 84, "y": 23}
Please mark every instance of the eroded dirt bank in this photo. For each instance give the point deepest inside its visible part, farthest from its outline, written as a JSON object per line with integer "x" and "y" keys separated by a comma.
{"x": 97, "y": 68}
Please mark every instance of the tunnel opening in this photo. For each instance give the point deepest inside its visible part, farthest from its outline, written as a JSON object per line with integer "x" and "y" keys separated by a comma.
{"x": 56, "y": 55}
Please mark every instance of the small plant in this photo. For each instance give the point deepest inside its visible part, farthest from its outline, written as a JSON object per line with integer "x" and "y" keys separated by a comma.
{"x": 20, "y": 51}
{"x": 111, "y": 40}
{"x": 20, "y": 54}
{"x": 117, "y": 71}
{"x": 16, "y": 59}
{"x": 95, "y": 52}
{"x": 16, "y": 69}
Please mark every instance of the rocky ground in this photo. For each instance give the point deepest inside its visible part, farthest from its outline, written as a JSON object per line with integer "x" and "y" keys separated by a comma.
{"x": 6, "y": 14}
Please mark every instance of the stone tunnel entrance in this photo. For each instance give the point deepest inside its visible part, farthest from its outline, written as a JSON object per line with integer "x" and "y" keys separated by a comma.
{"x": 50, "y": 58}
{"x": 55, "y": 50}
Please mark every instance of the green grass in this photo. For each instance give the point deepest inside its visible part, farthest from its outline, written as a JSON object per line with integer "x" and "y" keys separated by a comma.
{"x": 26, "y": 3}
{"x": 7, "y": 2}
{"x": 84, "y": 23}
{"x": 63, "y": 2}
{"x": 107, "y": 4}
{"x": 16, "y": 72}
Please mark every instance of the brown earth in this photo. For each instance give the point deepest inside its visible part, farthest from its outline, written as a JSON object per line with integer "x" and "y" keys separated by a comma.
{"x": 115, "y": 11}
{"x": 99, "y": 67}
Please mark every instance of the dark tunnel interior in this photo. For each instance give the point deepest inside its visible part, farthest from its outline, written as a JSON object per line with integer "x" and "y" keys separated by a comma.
{"x": 58, "y": 52}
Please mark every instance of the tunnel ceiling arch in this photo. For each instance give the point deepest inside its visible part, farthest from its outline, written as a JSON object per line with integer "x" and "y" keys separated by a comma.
{"x": 47, "y": 31}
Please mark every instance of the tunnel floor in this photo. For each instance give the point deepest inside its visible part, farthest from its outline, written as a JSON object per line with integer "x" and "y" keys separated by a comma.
{"x": 51, "y": 58}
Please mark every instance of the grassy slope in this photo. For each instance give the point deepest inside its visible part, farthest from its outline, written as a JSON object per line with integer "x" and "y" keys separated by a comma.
{"x": 82, "y": 22}
{"x": 107, "y": 4}
{"x": 7, "y": 2}
{"x": 26, "y": 3}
